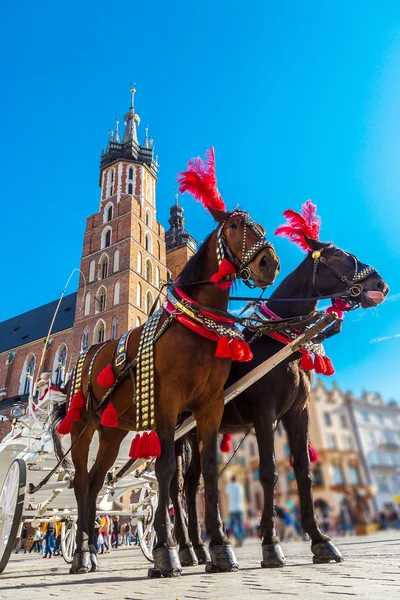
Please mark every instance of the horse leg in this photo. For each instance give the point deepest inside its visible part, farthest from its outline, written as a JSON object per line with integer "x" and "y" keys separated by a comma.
{"x": 321, "y": 546}
{"x": 271, "y": 550}
{"x": 110, "y": 441}
{"x": 165, "y": 553}
{"x": 222, "y": 555}
{"x": 81, "y": 562}
{"x": 192, "y": 483}
{"x": 183, "y": 459}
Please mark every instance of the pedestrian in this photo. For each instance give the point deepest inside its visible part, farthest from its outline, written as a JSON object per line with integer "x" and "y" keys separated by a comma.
{"x": 290, "y": 531}
{"x": 100, "y": 543}
{"x": 128, "y": 534}
{"x": 234, "y": 491}
{"x": 50, "y": 540}
{"x": 23, "y": 539}
{"x": 37, "y": 538}
{"x": 115, "y": 530}
{"x": 105, "y": 530}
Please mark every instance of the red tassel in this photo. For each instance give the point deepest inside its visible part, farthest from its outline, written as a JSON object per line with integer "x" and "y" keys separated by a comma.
{"x": 223, "y": 349}
{"x": 153, "y": 445}
{"x": 109, "y": 418}
{"x": 133, "y": 448}
{"x": 319, "y": 364}
{"x": 106, "y": 377}
{"x": 225, "y": 445}
{"x": 248, "y": 355}
{"x": 74, "y": 414}
{"x": 78, "y": 401}
{"x": 141, "y": 448}
{"x": 225, "y": 269}
{"x": 237, "y": 352}
{"x": 65, "y": 426}
{"x": 330, "y": 369}
{"x": 313, "y": 454}
{"x": 307, "y": 362}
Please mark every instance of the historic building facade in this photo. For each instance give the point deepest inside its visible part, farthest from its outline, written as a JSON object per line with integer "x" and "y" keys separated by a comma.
{"x": 126, "y": 255}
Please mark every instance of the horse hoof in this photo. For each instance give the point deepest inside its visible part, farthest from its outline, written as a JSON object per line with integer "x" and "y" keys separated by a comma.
{"x": 188, "y": 557}
{"x": 202, "y": 554}
{"x": 166, "y": 563}
{"x": 81, "y": 563}
{"x": 223, "y": 560}
{"x": 324, "y": 552}
{"x": 273, "y": 556}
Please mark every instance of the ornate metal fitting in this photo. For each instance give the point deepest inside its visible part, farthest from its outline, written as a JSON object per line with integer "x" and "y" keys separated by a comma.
{"x": 316, "y": 254}
{"x": 356, "y": 290}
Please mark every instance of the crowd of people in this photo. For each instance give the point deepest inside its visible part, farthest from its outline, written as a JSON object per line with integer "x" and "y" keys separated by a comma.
{"x": 45, "y": 540}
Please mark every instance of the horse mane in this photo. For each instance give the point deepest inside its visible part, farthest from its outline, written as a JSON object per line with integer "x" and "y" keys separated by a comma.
{"x": 194, "y": 270}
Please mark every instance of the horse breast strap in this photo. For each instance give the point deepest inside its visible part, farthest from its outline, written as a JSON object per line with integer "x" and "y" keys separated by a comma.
{"x": 122, "y": 348}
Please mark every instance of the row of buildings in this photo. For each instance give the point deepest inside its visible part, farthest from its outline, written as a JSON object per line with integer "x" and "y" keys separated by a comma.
{"x": 358, "y": 442}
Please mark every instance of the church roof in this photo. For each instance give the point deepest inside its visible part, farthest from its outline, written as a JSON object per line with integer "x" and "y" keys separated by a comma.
{"x": 34, "y": 324}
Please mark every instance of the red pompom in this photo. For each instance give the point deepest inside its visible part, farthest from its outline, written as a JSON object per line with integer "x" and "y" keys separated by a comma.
{"x": 74, "y": 414}
{"x": 225, "y": 445}
{"x": 319, "y": 364}
{"x": 313, "y": 454}
{"x": 223, "y": 350}
{"x": 333, "y": 309}
{"x": 248, "y": 355}
{"x": 153, "y": 445}
{"x": 109, "y": 418}
{"x": 225, "y": 269}
{"x": 141, "y": 448}
{"x": 307, "y": 362}
{"x": 106, "y": 377}
{"x": 133, "y": 448}
{"x": 237, "y": 352}
{"x": 65, "y": 426}
{"x": 78, "y": 401}
{"x": 329, "y": 368}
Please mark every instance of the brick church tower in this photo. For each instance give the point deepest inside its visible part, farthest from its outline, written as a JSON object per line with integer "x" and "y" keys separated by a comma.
{"x": 124, "y": 254}
{"x": 180, "y": 244}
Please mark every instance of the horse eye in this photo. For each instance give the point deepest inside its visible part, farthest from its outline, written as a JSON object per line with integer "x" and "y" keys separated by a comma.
{"x": 233, "y": 226}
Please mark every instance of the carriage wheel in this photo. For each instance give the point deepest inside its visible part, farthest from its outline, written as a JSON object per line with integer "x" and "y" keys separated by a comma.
{"x": 12, "y": 495}
{"x": 68, "y": 539}
{"x": 148, "y": 500}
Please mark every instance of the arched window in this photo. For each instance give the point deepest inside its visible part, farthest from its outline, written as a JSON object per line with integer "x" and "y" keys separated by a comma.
{"x": 130, "y": 189}
{"x": 106, "y": 237}
{"x": 88, "y": 299}
{"x": 101, "y": 297}
{"x": 149, "y": 302}
{"x": 148, "y": 217}
{"x": 92, "y": 270}
{"x": 99, "y": 333}
{"x": 114, "y": 329}
{"x": 138, "y": 322}
{"x": 111, "y": 186}
{"x": 116, "y": 261}
{"x": 139, "y": 263}
{"x": 130, "y": 176}
{"x": 148, "y": 242}
{"x": 157, "y": 277}
{"x": 103, "y": 267}
{"x": 116, "y": 292}
{"x": 60, "y": 361}
{"x": 108, "y": 212}
{"x": 85, "y": 338}
{"x": 149, "y": 271}
{"x": 138, "y": 295}
{"x": 26, "y": 381}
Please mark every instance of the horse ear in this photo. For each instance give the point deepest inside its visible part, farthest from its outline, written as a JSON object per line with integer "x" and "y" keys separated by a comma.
{"x": 218, "y": 215}
{"x": 313, "y": 244}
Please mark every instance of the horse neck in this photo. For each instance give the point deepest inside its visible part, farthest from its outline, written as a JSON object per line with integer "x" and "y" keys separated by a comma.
{"x": 298, "y": 284}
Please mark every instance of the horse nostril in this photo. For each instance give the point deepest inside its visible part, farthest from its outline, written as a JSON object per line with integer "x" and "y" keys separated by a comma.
{"x": 381, "y": 286}
{"x": 263, "y": 262}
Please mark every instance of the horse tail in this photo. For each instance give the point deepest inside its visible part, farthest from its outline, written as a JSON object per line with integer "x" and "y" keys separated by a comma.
{"x": 58, "y": 414}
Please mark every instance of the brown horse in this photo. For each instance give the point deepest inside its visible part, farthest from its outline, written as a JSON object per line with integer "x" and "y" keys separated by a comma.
{"x": 281, "y": 395}
{"x": 188, "y": 377}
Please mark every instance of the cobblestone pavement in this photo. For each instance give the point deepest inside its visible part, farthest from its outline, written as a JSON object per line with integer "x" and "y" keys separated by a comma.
{"x": 371, "y": 570}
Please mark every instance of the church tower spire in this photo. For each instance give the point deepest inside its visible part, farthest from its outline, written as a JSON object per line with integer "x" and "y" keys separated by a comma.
{"x": 179, "y": 243}
{"x": 131, "y": 118}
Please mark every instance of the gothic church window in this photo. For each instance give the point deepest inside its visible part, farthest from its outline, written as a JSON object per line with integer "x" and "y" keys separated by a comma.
{"x": 149, "y": 302}
{"x": 99, "y": 332}
{"x": 148, "y": 242}
{"x": 114, "y": 330}
{"x": 92, "y": 269}
{"x": 138, "y": 295}
{"x": 59, "y": 365}
{"x": 106, "y": 237}
{"x": 108, "y": 212}
{"x": 130, "y": 173}
{"x": 111, "y": 187}
{"x": 103, "y": 267}
{"x": 116, "y": 261}
{"x": 148, "y": 218}
{"x": 130, "y": 189}
{"x": 85, "y": 338}
{"x": 26, "y": 381}
{"x": 101, "y": 300}
{"x": 149, "y": 271}
{"x": 88, "y": 298}
{"x": 138, "y": 322}
{"x": 116, "y": 293}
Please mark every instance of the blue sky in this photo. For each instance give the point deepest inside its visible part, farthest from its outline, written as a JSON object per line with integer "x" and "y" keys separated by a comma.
{"x": 300, "y": 100}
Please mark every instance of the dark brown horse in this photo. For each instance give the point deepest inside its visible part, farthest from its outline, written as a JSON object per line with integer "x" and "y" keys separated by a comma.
{"x": 281, "y": 395}
{"x": 188, "y": 377}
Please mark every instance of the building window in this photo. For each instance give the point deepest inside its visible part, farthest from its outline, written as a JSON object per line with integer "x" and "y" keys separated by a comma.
{"x": 116, "y": 293}
{"x": 108, "y": 212}
{"x": 85, "y": 338}
{"x": 337, "y": 472}
{"x": 88, "y": 298}
{"x": 92, "y": 270}
{"x": 130, "y": 174}
{"x": 99, "y": 332}
{"x": 116, "y": 261}
{"x": 27, "y": 374}
{"x": 343, "y": 421}
{"x": 149, "y": 271}
{"x": 101, "y": 300}
{"x": 332, "y": 441}
{"x": 130, "y": 189}
{"x": 138, "y": 295}
{"x": 103, "y": 267}
{"x": 149, "y": 302}
{"x": 139, "y": 263}
{"x": 327, "y": 419}
{"x": 157, "y": 278}
{"x": 114, "y": 329}
{"x": 138, "y": 322}
{"x": 59, "y": 365}
{"x": 148, "y": 242}
{"x": 148, "y": 218}
{"x": 347, "y": 442}
{"x": 354, "y": 475}
{"x": 106, "y": 237}
{"x": 318, "y": 476}
{"x": 383, "y": 484}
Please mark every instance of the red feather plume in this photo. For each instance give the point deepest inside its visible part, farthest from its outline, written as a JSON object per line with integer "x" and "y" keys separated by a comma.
{"x": 200, "y": 181}
{"x": 298, "y": 225}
